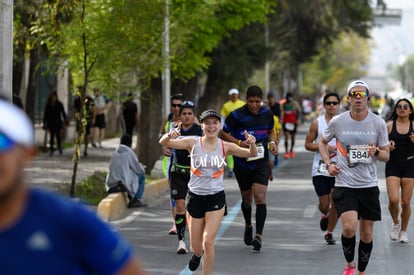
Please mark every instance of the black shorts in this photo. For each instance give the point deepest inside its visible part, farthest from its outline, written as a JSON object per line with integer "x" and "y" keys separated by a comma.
{"x": 179, "y": 185}
{"x": 400, "y": 169}
{"x": 246, "y": 178}
{"x": 363, "y": 200}
{"x": 100, "y": 121}
{"x": 198, "y": 205}
{"x": 323, "y": 184}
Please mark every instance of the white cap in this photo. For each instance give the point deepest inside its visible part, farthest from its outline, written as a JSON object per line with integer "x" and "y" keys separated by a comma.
{"x": 357, "y": 83}
{"x": 15, "y": 124}
{"x": 233, "y": 91}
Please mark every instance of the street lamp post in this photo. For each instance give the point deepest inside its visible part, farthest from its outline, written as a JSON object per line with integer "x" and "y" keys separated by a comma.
{"x": 6, "y": 48}
{"x": 166, "y": 55}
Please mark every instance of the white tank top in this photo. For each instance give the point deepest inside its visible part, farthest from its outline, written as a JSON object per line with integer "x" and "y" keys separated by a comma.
{"x": 207, "y": 169}
{"x": 317, "y": 159}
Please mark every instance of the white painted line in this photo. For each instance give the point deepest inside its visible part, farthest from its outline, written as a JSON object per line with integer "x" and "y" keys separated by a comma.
{"x": 309, "y": 211}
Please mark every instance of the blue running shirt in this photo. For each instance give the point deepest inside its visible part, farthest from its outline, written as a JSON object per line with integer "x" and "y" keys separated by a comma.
{"x": 258, "y": 125}
{"x": 58, "y": 236}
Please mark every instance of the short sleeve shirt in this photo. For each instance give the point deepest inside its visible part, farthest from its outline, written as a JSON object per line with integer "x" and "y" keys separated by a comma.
{"x": 351, "y": 134}
{"x": 58, "y": 236}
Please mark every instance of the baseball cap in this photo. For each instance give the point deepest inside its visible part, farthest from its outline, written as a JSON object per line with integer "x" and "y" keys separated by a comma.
{"x": 357, "y": 83}
{"x": 233, "y": 91}
{"x": 270, "y": 94}
{"x": 209, "y": 113}
{"x": 15, "y": 127}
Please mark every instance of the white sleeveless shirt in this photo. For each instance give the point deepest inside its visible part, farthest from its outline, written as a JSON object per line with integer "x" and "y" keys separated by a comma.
{"x": 207, "y": 169}
{"x": 317, "y": 170}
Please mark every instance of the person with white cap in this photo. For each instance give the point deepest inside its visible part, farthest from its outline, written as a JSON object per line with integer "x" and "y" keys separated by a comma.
{"x": 232, "y": 104}
{"x": 206, "y": 202}
{"x": 361, "y": 141}
{"x": 42, "y": 233}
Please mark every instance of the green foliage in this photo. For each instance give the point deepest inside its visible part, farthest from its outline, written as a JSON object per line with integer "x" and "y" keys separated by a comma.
{"x": 337, "y": 65}
{"x": 92, "y": 190}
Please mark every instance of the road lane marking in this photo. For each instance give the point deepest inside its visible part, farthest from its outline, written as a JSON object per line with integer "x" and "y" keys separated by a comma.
{"x": 309, "y": 211}
{"x": 225, "y": 224}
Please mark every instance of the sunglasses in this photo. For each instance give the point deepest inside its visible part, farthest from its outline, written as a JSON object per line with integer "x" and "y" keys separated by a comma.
{"x": 5, "y": 143}
{"x": 175, "y": 105}
{"x": 354, "y": 94}
{"x": 403, "y": 107}
{"x": 331, "y": 103}
{"x": 187, "y": 104}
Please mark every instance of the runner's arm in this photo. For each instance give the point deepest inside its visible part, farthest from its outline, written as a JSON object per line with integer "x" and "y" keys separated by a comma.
{"x": 310, "y": 144}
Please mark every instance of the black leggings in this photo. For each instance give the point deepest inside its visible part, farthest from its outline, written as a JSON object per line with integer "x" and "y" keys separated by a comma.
{"x": 55, "y": 133}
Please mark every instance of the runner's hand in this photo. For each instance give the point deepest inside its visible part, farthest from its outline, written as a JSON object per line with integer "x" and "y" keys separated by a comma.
{"x": 176, "y": 132}
{"x": 250, "y": 139}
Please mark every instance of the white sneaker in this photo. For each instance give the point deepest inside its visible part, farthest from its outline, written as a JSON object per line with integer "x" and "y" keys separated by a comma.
{"x": 403, "y": 237}
{"x": 181, "y": 248}
{"x": 395, "y": 232}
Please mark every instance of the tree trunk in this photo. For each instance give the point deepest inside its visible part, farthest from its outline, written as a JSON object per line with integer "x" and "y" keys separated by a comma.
{"x": 149, "y": 150}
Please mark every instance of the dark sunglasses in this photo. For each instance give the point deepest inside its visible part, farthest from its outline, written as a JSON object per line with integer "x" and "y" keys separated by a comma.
{"x": 5, "y": 143}
{"x": 354, "y": 94}
{"x": 331, "y": 103}
{"x": 403, "y": 107}
{"x": 175, "y": 105}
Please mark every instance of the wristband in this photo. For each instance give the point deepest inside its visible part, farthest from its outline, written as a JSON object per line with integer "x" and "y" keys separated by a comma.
{"x": 377, "y": 151}
{"x": 239, "y": 142}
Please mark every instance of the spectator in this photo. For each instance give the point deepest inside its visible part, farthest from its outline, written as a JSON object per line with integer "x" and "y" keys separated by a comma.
{"x": 101, "y": 104}
{"x": 130, "y": 115}
{"x": 126, "y": 173}
{"x": 87, "y": 108}
{"x": 54, "y": 118}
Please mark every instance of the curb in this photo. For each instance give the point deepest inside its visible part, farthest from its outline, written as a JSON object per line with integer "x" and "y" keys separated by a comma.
{"x": 112, "y": 206}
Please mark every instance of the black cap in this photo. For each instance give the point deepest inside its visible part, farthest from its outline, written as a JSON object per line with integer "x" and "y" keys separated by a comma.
{"x": 209, "y": 113}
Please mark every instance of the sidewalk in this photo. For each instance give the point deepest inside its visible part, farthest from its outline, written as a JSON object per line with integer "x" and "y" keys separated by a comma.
{"x": 54, "y": 172}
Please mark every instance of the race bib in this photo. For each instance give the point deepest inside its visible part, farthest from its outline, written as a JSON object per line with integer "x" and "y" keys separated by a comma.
{"x": 260, "y": 152}
{"x": 289, "y": 126}
{"x": 322, "y": 169}
{"x": 358, "y": 154}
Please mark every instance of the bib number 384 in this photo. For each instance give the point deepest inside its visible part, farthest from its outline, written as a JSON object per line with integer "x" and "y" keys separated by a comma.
{"x": 358, "y": 154}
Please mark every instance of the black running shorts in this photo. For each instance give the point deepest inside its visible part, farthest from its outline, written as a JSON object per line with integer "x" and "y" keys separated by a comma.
{"x": 246, "y": 178}
{"x": 179, "y": 185}
{"x": 323, "y": 185}
{"x": 100, "y": 121}
{"x": 363, "y": 200}
{"x": 400, "y": 169}
{"x": 198, "y": 205}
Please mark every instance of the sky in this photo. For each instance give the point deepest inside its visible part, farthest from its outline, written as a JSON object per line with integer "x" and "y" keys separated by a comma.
{"x": 391, "y": 44}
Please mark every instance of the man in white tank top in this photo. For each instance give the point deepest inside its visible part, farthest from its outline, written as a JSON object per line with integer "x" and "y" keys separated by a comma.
{"x": 322, "y": 181}
{"x": 361, "y": 141}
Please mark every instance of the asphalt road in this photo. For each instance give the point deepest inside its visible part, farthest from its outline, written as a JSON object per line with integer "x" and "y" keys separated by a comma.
{"x": 292, "y": 242}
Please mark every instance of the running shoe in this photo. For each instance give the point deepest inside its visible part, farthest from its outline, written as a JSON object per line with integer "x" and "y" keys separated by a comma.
{"x": 248, "y": 232}
{"x": 349, "y": 270}
{"x": 292, "y": 154}
{"x": 257, "y": 244}
{"x": 403, "y": 237}
{"x": 287, "y": 155}
{"x": 395, "y": 232}
{"x": 181, "y": 247}
{"x": 329, "y": 238}
{"x": 173, "y": 230}
{"x": 323, "y": 223}
{"x": 194, "y": 263}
